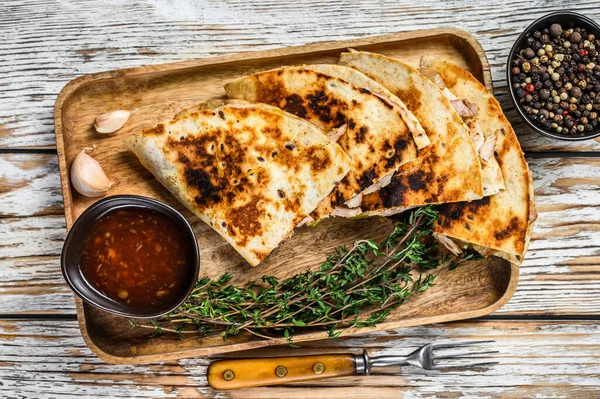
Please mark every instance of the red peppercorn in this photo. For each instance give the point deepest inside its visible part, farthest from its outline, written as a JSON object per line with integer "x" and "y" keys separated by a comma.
{"x": 583, "y": 53}
{"x": 565, "y": 112}
{"x": 530, "y": 88}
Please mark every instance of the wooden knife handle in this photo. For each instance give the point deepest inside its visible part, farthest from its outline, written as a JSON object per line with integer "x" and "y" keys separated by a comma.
{"x": 245, "y": 373}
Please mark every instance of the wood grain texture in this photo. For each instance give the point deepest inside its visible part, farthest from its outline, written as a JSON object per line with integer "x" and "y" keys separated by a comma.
{"x": 561, "y": 274}
{"x": 537, "y": 359}
{"x": 259, "y": 372}
{"x": 473, "y": 291}
{"x": 47, "y": 44}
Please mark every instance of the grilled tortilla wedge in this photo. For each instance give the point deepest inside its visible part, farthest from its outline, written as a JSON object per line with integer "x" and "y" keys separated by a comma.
{"x": 251, "y": 173}
{"x": 361, "y": 80}
{"x": 448, "y": 170}
{"x": 502, "y": 223}
{"x": 493, "y": 181}
{"x": 371, "y": 128}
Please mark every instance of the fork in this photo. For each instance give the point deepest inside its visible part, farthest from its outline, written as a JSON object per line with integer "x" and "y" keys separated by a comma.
{"x": 245, "y": 373}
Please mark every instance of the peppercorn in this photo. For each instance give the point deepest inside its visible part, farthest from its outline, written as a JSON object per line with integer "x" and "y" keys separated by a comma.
{"x": 575, "y": 91}
{"x": 566, "y": 44}
{"x": 572, "y": 108}
{"x": 544, "y": 94}
{"x": 526, "y": 66}
{"x": 555, "y": 76}
{"x": 555, "y": 30}
{"x": 593, "y": 115}
{"x": 528, "y": 98}
{"x": 575, "y": 37}
{"x": 529, "y": 53}
{"x": 515, "y": 71}
{"x": 583, "y": 120}
{"x": 530, "y": 87}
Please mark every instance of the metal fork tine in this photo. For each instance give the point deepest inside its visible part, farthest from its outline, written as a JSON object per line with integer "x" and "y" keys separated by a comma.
{"x": 448, "y": 346}
{"x": 464, "y": 355}
{"x": 469, "y": 365}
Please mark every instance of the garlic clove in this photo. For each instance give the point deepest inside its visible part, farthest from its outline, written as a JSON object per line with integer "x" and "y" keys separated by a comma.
{"x": 111, "y": 121}
{"x": 87, "y": 176}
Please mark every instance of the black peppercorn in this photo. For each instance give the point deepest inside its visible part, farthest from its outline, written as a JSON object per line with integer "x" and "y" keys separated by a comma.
{"x": 544, "y": 94}
{"x": 575, "y": 92}
{"x": 538, "y": 85}
{"x": 520, "y": 92}
{"x": 536, "y": 46}
{"x": 529, "y": 53}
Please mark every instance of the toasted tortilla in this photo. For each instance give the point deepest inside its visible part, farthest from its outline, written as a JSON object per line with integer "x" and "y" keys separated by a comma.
{"x": 503, "y": 222}
{"x": 361, "y": 80}
{"x": 448, "y": 170}
{"x": 374, "y": 134}
{"x": 493, "y": 181}
{"x": 251, "y": 173}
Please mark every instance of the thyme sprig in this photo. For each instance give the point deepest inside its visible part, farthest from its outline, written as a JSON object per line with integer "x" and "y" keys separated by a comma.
{"x": 354, "y": 287}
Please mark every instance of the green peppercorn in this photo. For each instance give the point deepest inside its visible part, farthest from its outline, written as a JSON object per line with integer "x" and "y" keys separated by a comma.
{"x": 580, "y": 128}
{"x": 555, "y": 76}
{"x": 567, "y": 86}
{"x": 566, "y": 44}
{"x": 556, "y": 99}
{"x": 573, "y": 100}
{"x": 526, "y": 66}
{"x": 564, "y": 96}
{"x": 582, "y": 84}
{"x": 588, "y": 107}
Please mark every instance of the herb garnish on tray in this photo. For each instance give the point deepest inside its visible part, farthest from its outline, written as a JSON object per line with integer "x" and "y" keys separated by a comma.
{"x": 355, "y": 287}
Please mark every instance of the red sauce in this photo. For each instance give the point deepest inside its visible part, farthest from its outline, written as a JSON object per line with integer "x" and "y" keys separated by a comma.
{"x": 136, "y": 257}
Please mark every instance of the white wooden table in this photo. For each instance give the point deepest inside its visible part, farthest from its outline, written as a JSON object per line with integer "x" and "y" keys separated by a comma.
{"x": 548, "y": 335}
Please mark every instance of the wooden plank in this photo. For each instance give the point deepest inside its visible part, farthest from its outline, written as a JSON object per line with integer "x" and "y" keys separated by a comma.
{"x": 561, "y": 274}
{"x": 49, "y": 359}
{"x": 29, "y": 185}
{"x": 46, "y": 44}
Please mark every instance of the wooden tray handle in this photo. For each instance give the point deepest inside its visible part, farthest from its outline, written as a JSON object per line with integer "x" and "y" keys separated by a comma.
{"x": 245, "y": 373}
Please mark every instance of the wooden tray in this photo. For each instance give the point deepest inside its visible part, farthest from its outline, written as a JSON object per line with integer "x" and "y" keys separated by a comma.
{"x": 158, "y": 92}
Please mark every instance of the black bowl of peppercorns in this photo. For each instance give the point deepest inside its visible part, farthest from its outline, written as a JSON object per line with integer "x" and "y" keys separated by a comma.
{"x": 553, "y": 74}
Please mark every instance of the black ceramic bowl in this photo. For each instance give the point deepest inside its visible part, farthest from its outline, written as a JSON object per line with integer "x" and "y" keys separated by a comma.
{"x": 71, "y": 255}
{"x": 567, "y": 20}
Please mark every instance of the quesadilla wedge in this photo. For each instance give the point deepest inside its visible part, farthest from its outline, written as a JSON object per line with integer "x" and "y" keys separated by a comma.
{"x": 448, "y": 170}
{"x": 368, "y": 127}
{"x": 251, "y": 173}
{"x": 500, "y": 224}
{"x": 361, "y": 80}
{"x": 483, "y": 137}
